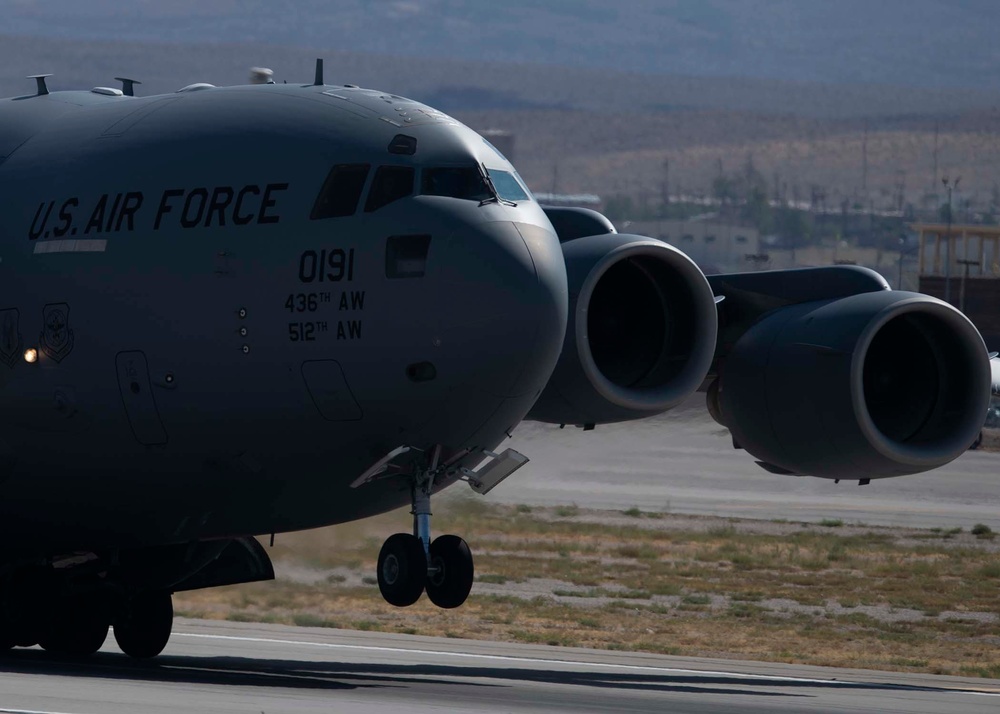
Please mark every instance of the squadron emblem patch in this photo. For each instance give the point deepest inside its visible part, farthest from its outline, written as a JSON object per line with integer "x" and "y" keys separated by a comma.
{"x": 10, "y": 336}
{"x": 56, "y": 340}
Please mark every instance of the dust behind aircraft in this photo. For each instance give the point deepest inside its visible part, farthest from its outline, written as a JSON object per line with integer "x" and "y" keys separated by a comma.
{"x": 239, "y": 311}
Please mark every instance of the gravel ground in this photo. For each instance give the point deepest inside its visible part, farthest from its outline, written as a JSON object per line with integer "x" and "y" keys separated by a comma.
{"x": 592, "y": 598}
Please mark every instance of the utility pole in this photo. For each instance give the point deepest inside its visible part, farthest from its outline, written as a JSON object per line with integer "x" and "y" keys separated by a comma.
{"x": 902, "y": 247}
{"x": 965, "y": 274}
{"x": 934, "y": 177}
{"x": 947, "y": 247}
{"x": 665, "y": 188}
{"x": 871, "y": 233}
{"x": 900, "y": 190}
{"x": 864, "y": 161}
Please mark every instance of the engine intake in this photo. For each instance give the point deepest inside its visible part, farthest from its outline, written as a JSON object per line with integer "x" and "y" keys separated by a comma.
{"x": 868, "y": 386}
{"x": 641, "y": 332}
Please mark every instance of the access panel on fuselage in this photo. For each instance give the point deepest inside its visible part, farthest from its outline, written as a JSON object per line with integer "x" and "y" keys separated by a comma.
{"x": 137, "y": 396}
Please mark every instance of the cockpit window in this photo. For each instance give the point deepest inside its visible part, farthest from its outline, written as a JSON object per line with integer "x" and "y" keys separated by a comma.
{"x": 456, "y": 182}
{"x": 391, "y": 183}
{"x": 507, "y": 186}
{"x": 341, "y": 191}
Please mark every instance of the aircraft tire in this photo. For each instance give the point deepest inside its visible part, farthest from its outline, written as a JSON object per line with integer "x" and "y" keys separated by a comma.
{"x": 144, "y": 629}
{"x": 402, "y": 569}
{"x": 7, "y": 638}
{"x": 977, "y": 443}
{"x": 25, "y": 639}
{"x": 453, "y": 571}
{"x": 78, "y": 629}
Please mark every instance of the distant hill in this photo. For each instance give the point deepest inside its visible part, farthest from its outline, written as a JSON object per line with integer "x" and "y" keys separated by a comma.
{"x": 916, "y": 43}
{"x": 604, "y": 131}
{"x": 455, "y": 85}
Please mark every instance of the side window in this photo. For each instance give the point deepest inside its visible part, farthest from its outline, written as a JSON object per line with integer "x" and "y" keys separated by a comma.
{"x": 456, "y": 182}
{"x": 507, "y": 186}
{"x": 341, "y": 191}
{"x": 391, "y": 183}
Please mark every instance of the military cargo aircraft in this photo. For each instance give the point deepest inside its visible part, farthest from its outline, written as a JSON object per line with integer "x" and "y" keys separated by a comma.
{"x": 229, "y": 312}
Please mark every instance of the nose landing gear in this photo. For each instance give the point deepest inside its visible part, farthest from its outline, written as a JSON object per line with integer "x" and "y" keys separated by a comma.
{"x": 405, "y": 570}
{"x": 409, "y": 564}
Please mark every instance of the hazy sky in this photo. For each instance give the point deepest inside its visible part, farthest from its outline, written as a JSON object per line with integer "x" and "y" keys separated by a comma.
{"x": 930, "y": 43}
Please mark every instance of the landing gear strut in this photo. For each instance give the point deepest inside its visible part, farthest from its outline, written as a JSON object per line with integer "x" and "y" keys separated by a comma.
{"x": 409, "y": 564}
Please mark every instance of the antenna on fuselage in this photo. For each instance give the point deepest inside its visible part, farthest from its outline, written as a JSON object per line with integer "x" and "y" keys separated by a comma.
{"x": 40, "y": 80}
{"x": 319, "y": 73}
{"x": 128, "y": 85}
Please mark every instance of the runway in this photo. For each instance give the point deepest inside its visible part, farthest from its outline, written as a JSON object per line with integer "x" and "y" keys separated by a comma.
{"x": 683, "y": 462}
{"x": 237, "y": 667}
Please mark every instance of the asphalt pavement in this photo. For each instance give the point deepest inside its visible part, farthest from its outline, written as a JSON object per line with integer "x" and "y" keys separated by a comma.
{"x": 683, "y": 462}
{"x": 242, "y": 667}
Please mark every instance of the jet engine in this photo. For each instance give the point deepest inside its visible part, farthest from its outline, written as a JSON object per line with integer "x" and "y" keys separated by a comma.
{"x": 872, "y": 385}
{"x": 641, "y": 331}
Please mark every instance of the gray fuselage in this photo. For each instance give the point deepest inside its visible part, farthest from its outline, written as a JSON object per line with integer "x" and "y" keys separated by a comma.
{"x": 214, "y": 359}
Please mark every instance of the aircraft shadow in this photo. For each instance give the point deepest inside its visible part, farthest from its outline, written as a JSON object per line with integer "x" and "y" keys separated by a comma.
{"x": 333, "y": 675}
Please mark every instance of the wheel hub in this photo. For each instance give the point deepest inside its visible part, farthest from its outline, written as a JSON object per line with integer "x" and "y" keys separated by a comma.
{"x": 436, "y": 573}
{"x": 390, "y": 570}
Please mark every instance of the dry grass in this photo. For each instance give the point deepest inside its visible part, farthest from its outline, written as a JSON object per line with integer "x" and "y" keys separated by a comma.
{"x": 846, "y": 596}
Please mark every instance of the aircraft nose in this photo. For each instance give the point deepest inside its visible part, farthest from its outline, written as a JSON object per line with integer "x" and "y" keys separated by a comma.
{"x": 508, "y": 305}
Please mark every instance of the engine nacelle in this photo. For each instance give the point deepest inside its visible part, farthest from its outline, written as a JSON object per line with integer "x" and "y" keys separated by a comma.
{"x": 873, "y": 385}
{"x": 641, "y": 332}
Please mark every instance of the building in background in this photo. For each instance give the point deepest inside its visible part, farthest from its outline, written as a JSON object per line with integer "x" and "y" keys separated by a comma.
{"x": 716, "y": 246}
{"x": 960, "y": 264}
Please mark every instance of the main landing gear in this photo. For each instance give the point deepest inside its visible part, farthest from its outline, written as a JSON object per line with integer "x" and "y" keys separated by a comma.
{"x": 76, "y": 625}
{"x": 67, "y": 602}
{"x": 410, "y": 564}
{"x": 143, "y": 628}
